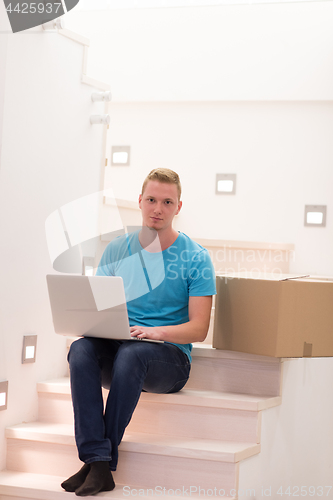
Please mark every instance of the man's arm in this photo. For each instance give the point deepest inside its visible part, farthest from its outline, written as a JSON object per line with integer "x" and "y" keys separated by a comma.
{"x": 195, "y": 330}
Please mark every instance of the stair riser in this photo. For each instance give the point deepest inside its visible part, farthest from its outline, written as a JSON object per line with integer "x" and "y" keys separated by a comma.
{"x": 42, "y": 458}
{"x": 36, "y": 495}
{"x": 175, "y": 472}
{"x": 55, "y": 408}
{"x": 5, "y": 497}
{"x": 142, "y": 469}
{"x": 244, "y": 376}
{"x": 201, "y": 422}
{"x": 169, "y": 419}
{"x": 240, "y": 376}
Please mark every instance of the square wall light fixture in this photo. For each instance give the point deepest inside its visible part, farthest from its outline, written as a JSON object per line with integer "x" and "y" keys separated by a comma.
{"x": 29, "y": 349}
{"x": 120, "y": 156}
{"x": 3, "y": 395}
{"x": 315, "y": 215}
{"x": 225, "y": 184}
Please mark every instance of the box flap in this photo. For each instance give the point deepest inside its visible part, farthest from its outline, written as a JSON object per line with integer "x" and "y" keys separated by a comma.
{"x": 255, "y": 275}
{"x": 288, "y": 278}
{"x": 316, "y": 279}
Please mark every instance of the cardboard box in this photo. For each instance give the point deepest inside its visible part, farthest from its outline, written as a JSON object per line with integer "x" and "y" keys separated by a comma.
{"x": 280, "y": 316}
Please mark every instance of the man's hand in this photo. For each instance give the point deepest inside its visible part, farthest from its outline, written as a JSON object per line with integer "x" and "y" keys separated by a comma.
{"x": 195, "y": 330}
{"x": 146, "y": 332}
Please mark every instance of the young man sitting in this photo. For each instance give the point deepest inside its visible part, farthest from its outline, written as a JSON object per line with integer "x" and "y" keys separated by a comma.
{"x": 169, "y": 282}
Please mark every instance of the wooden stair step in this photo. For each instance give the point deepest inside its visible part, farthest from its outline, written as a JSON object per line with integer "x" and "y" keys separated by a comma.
{"x": 235, "y": 372}
{"x": 191, "y": 397}
{"x": 196, "y": 437}
{"x": 228, "y": 417}
{"x": 143, "y": 459}
{"x": 28, "y": 486}
{"x": 232, "y": 371}
{"x": 203, "y": 449}
{"x": 55, "y": 386}
{"x": 215, "y": 399}
{"x": 42, "y": 432}
{"x": 34, "y": 486}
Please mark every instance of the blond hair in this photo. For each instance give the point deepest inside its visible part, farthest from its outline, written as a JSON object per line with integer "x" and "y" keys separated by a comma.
{"x": 163, "y": 175}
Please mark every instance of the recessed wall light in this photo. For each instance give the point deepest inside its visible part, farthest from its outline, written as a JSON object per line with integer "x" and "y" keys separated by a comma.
{"x": 315, "y": 215}
{"x": 3, "y": 395}
{"x": 225, "y": 184}
{"x": 29, "y": 349}
{"x": 120, "y": 155}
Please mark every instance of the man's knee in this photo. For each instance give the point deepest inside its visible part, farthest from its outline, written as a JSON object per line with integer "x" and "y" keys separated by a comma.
{"x": 79, "y": 349}
{"x": 129, "y": 351}
{"x": 130, "y": 356}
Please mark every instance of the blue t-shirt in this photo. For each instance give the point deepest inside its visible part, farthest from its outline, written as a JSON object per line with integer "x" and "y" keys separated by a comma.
{"x": 158, "y": 285}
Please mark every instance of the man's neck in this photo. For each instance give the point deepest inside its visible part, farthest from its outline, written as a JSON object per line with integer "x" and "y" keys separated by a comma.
{"x": 156, "y": 241}
{"x": 166, "y": 240}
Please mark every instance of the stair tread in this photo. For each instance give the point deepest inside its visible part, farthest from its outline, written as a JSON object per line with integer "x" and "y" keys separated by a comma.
{"x": 191, "y": 397}
{"x": 201, "y": 349}
{"x": 215, "y": 399}
{"x": 40, "y": 487}
{"x": 208, "y": 351}
{"x": 208, "y": 449}
{"x": 213, "y": 369}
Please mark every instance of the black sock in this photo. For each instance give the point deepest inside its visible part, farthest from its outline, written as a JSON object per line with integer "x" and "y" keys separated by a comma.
{"x": 98, "y": 479}
{"x": 74, "y": 482}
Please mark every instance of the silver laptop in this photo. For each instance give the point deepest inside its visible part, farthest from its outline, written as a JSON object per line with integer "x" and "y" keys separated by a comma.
{"x": 88, "y": 306}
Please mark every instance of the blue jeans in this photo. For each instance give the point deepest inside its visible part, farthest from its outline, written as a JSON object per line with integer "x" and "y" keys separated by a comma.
{"x": 125, "y": 367}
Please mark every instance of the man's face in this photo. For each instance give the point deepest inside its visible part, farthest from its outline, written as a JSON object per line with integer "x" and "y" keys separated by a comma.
{"x": 159, "y": 204}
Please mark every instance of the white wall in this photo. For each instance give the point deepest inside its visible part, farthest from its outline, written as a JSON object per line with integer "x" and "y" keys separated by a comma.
{"x": 243, "y": 52}
{"x": 300, "y": 431}
{"x": 281, "y": 152}
{"x": 245, "y": 89}
{"x": 4, "y": 26}
{"x": 51, "y": 155}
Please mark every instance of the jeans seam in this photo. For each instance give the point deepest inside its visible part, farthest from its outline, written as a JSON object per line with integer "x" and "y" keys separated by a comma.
{"x": 170, "y": 363}
{"x": 97, "y": 459}
{"x": 178, "y": 382}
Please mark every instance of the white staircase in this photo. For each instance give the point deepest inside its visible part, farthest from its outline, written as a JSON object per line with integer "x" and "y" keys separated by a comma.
{"x": 184, "y": 441}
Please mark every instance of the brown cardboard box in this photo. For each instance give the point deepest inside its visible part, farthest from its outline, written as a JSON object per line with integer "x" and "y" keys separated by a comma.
{"x": 280, "y": 316}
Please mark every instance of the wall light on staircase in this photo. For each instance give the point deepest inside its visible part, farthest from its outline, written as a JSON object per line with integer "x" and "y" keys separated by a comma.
{"x": 225, "y": 184}
{"x": 3, "y": 395}
{"x": 55, "y": 24}
{"x": 100, "y": 119}
{"x": 101, "y": 96}
{"x": 315, "y": 215}
{"x": 120, "y": 155}
{"x": 29, "y": 349}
